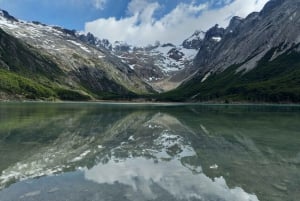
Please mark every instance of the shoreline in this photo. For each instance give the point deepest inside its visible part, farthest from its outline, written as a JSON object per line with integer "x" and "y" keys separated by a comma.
{"x": 138, "y": 102}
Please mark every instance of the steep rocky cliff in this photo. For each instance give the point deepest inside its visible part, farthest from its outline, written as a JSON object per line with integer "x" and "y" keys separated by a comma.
{"x": 253, "y": 59}
{"x": 246, "y": 41}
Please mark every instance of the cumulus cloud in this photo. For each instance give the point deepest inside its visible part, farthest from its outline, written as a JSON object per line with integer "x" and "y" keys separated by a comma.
{"x": 141, "y": 28}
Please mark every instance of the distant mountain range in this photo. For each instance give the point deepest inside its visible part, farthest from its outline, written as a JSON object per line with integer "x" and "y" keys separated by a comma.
{"x": 253, "y": 59}
{"x": 160, "y": 65}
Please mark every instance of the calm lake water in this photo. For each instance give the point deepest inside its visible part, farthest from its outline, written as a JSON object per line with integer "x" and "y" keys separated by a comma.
{"x": 136, "y": 152}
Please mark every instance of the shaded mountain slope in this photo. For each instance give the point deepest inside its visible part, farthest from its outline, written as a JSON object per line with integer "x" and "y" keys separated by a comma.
{"x": 27, "y": 74}
{"x": 275, "y": 81}
{"x": 254, "y": 59}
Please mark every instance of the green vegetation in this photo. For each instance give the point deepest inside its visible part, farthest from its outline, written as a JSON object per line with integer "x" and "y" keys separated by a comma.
{"x": 22, "y": 87}
{"x": 12, "y": 83}
{"x": 25, "y": 60}
{"x": 27, "y": 73}
{"x": 65, "y": 94}
{"x": 271, "y": 81}
{"x": 40, "y": 88}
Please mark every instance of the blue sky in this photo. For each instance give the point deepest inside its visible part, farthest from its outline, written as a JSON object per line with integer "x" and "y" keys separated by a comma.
{"x": 135, "y": 21}
{"x": 73, "y": 14}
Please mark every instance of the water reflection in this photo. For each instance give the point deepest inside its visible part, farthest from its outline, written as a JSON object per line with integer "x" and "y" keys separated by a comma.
{"x": 159, "y": 179}
{"x": 149, "y": 152}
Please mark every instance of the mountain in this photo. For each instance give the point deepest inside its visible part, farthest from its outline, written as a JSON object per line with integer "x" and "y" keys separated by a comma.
{"x": 101, "y": 68}
{"x": 49, "y": 62}
{"x": 163, "y": 66}
{"x": 194, "y": 41}
{"x": 253, "y": 59}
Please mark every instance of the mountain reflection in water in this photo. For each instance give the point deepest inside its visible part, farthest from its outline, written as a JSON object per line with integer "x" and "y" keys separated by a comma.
{"x": 148, "y": 152}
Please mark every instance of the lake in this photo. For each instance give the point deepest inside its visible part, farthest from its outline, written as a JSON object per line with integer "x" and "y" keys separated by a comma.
{"x": 136, "y": 152}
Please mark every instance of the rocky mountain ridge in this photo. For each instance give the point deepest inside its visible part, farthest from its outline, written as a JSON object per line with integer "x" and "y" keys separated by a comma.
{"x": 87, "y": 70}
{"x": 248, "y": 40}
{"x": 161, "y": 66}
{"x": 156, "y": 64}
{"x": 253, "y": 55}
{"x": 254, "y": 59}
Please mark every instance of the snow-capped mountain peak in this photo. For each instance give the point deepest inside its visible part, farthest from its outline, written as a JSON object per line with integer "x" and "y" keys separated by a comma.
{"x": 7, "y": 16}
{"x": 194, "y": 41}
{"x": 154, "y": 62}
{"x": 197, "y": 35}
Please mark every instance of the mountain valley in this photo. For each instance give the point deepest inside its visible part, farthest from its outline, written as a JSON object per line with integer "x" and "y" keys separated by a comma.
{"x": 254, "y": 59}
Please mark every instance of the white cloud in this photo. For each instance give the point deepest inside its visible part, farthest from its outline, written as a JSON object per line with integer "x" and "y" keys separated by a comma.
{"x": 99, "y": 4}
{"x": 143, "y": 10}
{"x": 141, "y": 28}
{"x": 136, "y": 6}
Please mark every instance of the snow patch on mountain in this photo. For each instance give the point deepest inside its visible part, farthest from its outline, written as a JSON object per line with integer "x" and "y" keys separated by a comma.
{"x": 217, "y": 38}
{"x": 168, "y": 63}
{"x": 80, "y": 45}
{"x": 198, "y": 35}
{"x": 4, "y": 22}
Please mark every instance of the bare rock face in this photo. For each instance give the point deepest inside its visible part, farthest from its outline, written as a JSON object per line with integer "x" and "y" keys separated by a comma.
{"x": 194, "y": 41}
{"x": 212, "y": 37}
{"x": 175, "y": 54}
{"x": 7, "y": 16}
{"x": 246, "y": 41}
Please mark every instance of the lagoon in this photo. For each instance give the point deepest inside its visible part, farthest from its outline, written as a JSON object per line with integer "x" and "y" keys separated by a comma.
{"x": 114, "y": 151}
